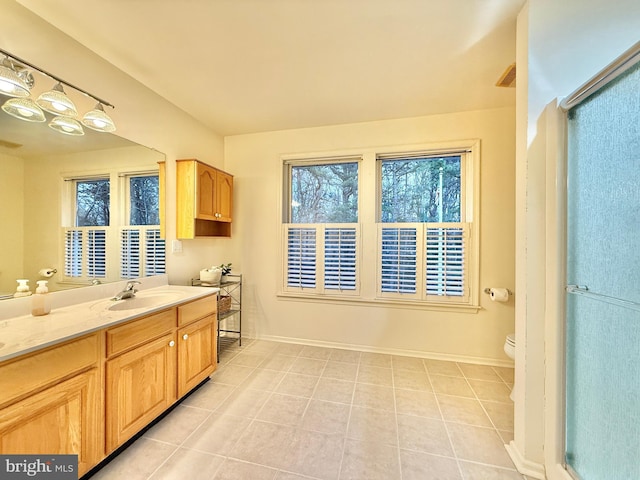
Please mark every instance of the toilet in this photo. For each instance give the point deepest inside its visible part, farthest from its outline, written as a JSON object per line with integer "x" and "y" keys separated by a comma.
{"x": 510, "y": 350}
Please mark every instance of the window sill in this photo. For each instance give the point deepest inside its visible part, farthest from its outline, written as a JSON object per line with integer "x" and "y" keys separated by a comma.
{"x": 380, "y": 302}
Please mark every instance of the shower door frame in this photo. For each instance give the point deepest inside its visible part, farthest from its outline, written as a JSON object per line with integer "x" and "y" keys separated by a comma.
{"x": 555, "y": 115}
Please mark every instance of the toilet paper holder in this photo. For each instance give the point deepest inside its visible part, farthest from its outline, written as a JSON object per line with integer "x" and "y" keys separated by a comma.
{"x": 488, "y": 291}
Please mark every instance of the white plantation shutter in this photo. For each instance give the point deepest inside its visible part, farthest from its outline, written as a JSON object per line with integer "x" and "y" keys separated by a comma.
{"x": 434, "y": 253}
{"x": 322, "y": 258}
{"x": 446, "y": 260}
{"x": 154, "y": 248}
{"x": 130, "y": 253}
{"x": 399, "y": 259}
{"x": 301, "y": 257}
{"x": 142, "y": 252}
{"x": 85, "y": 252}
{"x": 73, "y": 252}
{"x": 96, "y": 252}
{"x": 340, "y": 258}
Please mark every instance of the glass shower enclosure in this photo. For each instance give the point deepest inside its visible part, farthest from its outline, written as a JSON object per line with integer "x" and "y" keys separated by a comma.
{"x": 602, "y": 360}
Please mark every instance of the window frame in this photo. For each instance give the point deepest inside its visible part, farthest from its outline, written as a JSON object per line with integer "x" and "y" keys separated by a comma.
{"x": 369, "y": 215}
{"x": 320, "y": 228}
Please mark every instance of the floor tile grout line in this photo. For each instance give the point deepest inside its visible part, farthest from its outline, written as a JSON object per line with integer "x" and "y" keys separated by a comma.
{"x": 483, "y": 408}
{"x": 346, "y": 433}
{"x": 395, "y": 411}
{"x": 446, "y": 428}
{"x": 150, "y": 476}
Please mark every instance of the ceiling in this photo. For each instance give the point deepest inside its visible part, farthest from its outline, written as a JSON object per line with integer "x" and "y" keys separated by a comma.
{"x": 244, "y": 66}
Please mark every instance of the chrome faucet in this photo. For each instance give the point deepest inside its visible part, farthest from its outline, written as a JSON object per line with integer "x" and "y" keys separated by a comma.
{"x": 128, "y": 292}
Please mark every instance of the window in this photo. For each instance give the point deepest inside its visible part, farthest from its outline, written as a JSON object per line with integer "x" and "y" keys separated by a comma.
{"x": 419, "y": 210}
{"x": 321, "y": 227}
{"x": 423, "y": 243}
{"x": 142, "y": 251}
{"x": 114, "y": 222}
{"x": 85, "y": 245}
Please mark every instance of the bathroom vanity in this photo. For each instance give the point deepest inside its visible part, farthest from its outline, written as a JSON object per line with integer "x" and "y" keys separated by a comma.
{"x": 88, "y": 377}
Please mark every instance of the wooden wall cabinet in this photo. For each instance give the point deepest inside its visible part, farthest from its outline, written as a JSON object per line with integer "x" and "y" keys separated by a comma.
{"x": 204, "y": 200}
{"x": 52, "y": 402}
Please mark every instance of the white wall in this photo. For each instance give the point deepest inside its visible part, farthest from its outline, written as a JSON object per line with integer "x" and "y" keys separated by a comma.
{"x": 563, "y": 44}
{"x": 140, "y": 115}
{"x": 255, "y": 161}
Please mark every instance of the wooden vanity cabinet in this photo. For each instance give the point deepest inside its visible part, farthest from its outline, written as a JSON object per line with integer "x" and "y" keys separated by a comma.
{"x": 155, "y": 360}
{"x": 204, "y": 200}
{"x": 140, "y": 374}
{"x": 51, "y": 402}
{"x": 90, "y": 395}
{"x": 197, "y": 342}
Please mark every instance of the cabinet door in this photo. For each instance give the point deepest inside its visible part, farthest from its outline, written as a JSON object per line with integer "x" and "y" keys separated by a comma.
{"x": 141, "y": 384}
{"x": 63, "y": 419}
{"x": 206, "y": 193}
{"x": 196, "y": 353}
{"x": 224, "y": 187}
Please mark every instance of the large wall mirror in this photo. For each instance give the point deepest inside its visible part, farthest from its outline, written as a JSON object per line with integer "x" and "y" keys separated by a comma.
{"x": 34, "y": 162}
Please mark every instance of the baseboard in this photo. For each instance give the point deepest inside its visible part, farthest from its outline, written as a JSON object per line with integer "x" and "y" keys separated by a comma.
{"x": 524, "y": 466}
{"x": 392, "y": 351}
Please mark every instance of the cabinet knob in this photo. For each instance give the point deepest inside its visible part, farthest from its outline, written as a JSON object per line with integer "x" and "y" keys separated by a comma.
{"x": 172, "y": 343}
{"x": 185, "y": 336}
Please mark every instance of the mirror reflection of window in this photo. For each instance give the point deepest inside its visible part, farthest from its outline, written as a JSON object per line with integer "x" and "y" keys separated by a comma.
{"x": 121, "y": 242}
{"x": 92, "y": 202}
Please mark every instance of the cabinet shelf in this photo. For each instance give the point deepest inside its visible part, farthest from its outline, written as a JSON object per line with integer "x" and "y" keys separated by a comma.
{"x": 230, "y": 313}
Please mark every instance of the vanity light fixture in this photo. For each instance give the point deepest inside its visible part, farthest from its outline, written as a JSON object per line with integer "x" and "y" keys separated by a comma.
{"x": 24, "y": 109}
{"x": 97, "y": 120}
{"x": 66, "y": 125}
{"x": 12, "y": 83}
{"x": 17, "y": 81}
{"x": 56, "y": 101}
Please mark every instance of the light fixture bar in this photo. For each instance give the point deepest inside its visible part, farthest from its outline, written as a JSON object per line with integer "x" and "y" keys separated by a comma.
{"x": 56, "y": 78}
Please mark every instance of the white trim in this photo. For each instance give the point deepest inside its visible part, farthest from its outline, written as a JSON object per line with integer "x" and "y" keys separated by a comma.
{"x": 404, "y": 304}
{"x": 555, "y": 268}
{"x": 390, "y": 351}
{"x": 524, "y": 466}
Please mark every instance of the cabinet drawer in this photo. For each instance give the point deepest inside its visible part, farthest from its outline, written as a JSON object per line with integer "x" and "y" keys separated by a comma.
{"x": 137, "y": 332}
{"x": 197, "y": 309}
{"x": 31, "y": 373}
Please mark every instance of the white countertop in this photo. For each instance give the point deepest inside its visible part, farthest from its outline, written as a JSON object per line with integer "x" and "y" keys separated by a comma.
{"x": 26, "y": 333}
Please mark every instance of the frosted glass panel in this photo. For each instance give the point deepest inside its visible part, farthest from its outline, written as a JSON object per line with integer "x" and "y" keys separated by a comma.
{"x": 604, "y": 190}
{"x": 603, "y": 254}
{"x": 603, "y": 390}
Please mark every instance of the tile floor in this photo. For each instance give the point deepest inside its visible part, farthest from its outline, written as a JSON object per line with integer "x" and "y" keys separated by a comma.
{"x": 277, "y": 411}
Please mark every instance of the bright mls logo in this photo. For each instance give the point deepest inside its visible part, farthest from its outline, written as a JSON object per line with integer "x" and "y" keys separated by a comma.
{"x": 39, "y": 467}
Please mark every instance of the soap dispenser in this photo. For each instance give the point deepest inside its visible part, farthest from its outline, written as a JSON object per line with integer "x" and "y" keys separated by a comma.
{"x": 41, "y": 304}
{"x": 23, "y": 288}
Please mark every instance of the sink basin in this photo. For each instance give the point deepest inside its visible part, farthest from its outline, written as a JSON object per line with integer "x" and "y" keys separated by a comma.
{"x": 141, "y": 300}
{"x": 145, "y": 301}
